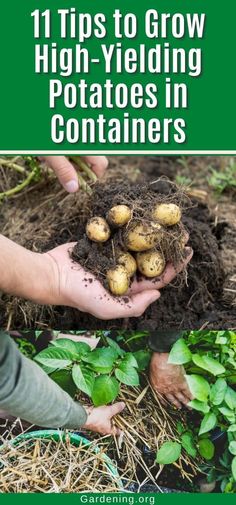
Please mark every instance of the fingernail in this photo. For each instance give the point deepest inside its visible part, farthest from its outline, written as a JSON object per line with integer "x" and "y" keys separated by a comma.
{"x": 71, "y": 186}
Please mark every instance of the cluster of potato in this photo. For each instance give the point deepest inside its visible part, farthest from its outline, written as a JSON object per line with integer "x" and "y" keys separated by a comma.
{"x": 140, "y": 239}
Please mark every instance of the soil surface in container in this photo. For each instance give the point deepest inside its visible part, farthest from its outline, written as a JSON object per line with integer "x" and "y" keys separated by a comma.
{"x": 45, "y": 217}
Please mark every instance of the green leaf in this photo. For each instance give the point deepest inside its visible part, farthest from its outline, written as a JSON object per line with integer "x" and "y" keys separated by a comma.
{"x": 206, "y": 448}
{"x": 187, "y": 442}
{"x": 180, "y": 427}
{"x": 208, "y": 423}
{"x": 228, "y": 413}
{"x": 221, "y": 340}
{"x": 209, "y": 364}
{"x": 127, "y": 375}
{"x": 230, "y": 398}
{"x": 233, "y": 467}
{"x": 232, "y": 447}
{"x": 77, "y": 348}
{"x": 103, "y": 358}
{"x": 232, "y": 428}
{"x": 37, "y": 334}
{"x": 199, "y": 406}
{"x": 115, "y": 346}
{"x": 83, "y": 379}
{"x": 143, "y": 358}
{"x": 218, "y": 391}
{"x": 105, "y": 390}
{"x": 54, "y": 358}
{"x": 168, "y": 453}
{"x": 198, "y": 386}
{"x": 179, "y": 353}
{"x": 129, "y": 360}
{"x": 64, "y": 379}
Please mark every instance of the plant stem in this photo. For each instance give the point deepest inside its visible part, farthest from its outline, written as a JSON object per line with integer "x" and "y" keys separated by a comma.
{"x": 83, "y": 184}
{"x": 19, "y": 187}
{"x": 11, "y": 164}
{"x": 84, "y": 167}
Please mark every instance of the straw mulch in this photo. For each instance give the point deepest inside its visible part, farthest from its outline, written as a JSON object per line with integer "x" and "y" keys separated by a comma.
{"x": 47, "y": 466}
{"x": 145, "y": 425}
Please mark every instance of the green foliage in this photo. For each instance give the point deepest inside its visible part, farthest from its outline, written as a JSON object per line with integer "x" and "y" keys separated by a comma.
{"x": 105, "y": 390}
{"x": 168, "y": 453}
{"x": 97, "y": 373}
{"x": 222, "y": 180}
{"x": 206, "y": 448}
{"x": 179, "y": 353}
{"x": 208, "y": 423}
{"x": 211, "y": 376}
{"x": 198, "y": 386}
{"x": 188, "y": 443}
{"x": 25, "y": 347}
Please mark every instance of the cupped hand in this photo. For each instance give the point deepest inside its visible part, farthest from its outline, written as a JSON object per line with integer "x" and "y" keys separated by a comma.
{"x": 66, "y": 172}
{"x": 100, "y": 419}
{"x": 169, "y": 381}
{"x": 74, "y": 287}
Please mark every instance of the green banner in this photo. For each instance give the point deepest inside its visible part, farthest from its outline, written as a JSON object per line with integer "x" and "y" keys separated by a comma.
{"x": 117, "y": 498}
{"x": 117, "y": 76}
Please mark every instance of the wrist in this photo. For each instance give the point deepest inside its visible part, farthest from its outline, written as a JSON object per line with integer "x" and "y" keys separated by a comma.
{"x": 88, "y": 412}
{"x": 160, "y": 358}
{"x": 43, "y": 285}
{"x": 27, "y": 274}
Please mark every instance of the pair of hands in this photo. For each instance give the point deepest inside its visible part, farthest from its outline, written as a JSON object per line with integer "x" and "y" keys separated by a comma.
{"x": 69, "y": 284}
{"x": 166, "y": 379}
{"x": 70, "y": 289}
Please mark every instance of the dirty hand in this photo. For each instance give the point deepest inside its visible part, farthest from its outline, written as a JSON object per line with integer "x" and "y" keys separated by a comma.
{"x": 72, "y": 286}
{"x": 66, "y": 173}
{"x": 100, "y": 419}
{"x": 168, "y": 380}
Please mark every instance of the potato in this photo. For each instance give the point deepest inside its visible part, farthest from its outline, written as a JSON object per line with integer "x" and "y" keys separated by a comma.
{"x": 151, "y": 263}
{"x": 97, "y": 229}
{"x": 142, "y": 237}
{"x": 167, "y": 214}
{"x": 118, "y": 280}
{"x": 127, "y": 260}
{"x": 119, "y": 215}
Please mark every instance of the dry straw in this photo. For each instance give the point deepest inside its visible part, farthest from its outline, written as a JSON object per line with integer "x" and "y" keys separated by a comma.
{"x": 47, "y": 466}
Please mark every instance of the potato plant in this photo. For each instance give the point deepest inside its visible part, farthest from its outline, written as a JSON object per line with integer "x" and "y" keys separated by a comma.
{"x": 209, "y": 359}
{"x": 97, "y": 373}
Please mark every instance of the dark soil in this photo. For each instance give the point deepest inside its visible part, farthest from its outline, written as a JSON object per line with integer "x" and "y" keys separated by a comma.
{"x": 97, "y": 258}
{"x": 206, "y": 301}
{"x": 198, "y": 304}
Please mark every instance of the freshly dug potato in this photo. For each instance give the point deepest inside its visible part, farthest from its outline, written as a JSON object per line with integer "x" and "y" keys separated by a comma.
{"x": 128, "y": 262}
{"x": 151, "y": 263}
{"x": 119, "y": 215}
{"x": 142, "y": 237}
{"x": 118, "y": 280}
{"x": 97, "y": 229}
{"x": 167, "y": 214}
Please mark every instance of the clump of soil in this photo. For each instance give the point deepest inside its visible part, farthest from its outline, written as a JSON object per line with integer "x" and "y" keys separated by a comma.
{"x": 180, "y": 306}
{"x": 141, "y": 199}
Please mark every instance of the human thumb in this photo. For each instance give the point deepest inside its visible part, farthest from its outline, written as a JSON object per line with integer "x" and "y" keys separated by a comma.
{"x": 64, "y": 171}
